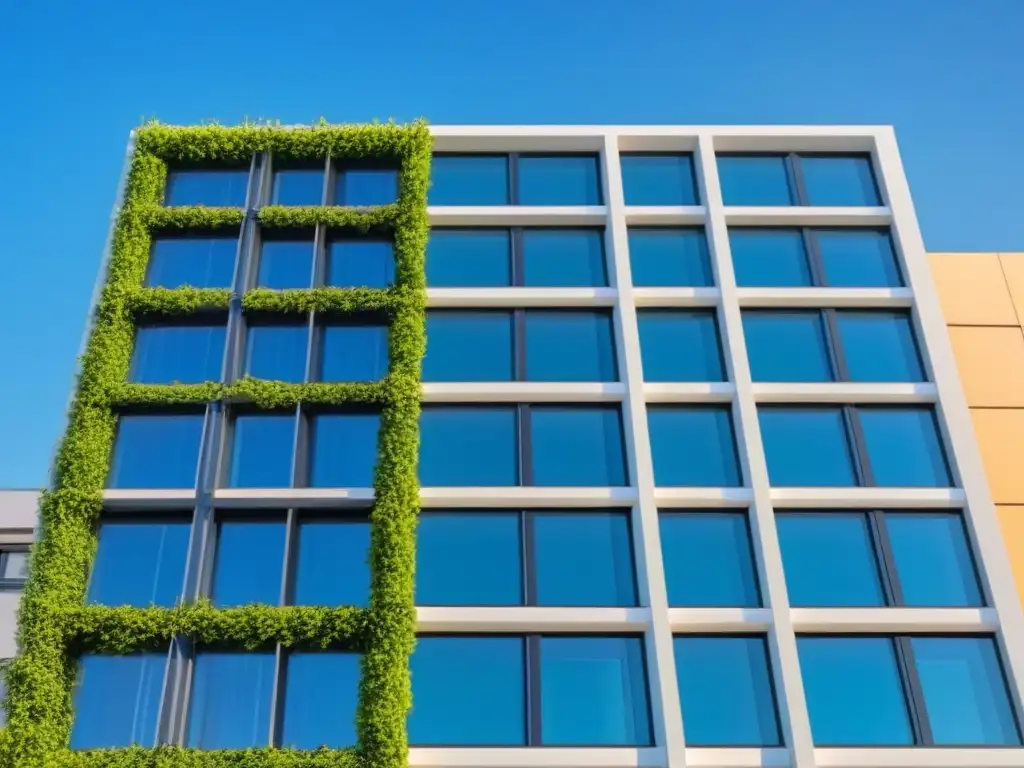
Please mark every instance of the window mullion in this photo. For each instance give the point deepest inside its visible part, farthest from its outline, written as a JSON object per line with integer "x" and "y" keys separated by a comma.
{"x": 277, "y": 697}
{"x": 516, "y": 244}
{"x": 812, "y": 252}
{"x": 795, "y": 172}
{"x": 525, "y": 445}
{"x": 290, "y": 550}
{"x": 855, "y": 443}
{"x": 884, "y": 556}
{"x": 513, "y": 178}
{"x": 534, "y": 736}
{"x": 529, "y": 554}
{"x": 840, "y": 369}
{"x": 913, "y": 691}
{"x": 519, "y": 372}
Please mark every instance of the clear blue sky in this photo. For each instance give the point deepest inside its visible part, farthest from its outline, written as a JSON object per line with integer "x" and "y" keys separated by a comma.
{"x": 77, "y": 77}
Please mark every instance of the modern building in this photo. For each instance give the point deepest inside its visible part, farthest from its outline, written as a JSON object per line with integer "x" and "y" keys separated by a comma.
{"x": 698, "y": 481}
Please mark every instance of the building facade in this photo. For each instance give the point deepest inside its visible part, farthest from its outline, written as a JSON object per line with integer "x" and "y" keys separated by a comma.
{"x": 692, "y": 474}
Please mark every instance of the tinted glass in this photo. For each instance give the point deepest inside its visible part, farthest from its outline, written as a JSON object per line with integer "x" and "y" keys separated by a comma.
{"x": 285, "y": 264}
{"x": 693, "y": 446}
{"x": 879, "y": 346}
{"x": 139, "y": 563}
{"x": 658, "y": 180}
{"x": 726, "y": 693}
{"x": 354, "y": 353}
{"x": 933, "y": 559}
{"x": 904, "y": 447}
{"x": 829, "y": 560}
{"x": 569, "y": 346}
{"x": 858, "y": 258}
{"x": 839, "y": 181}
{"x": 558, "y": 180}
{"x": 117, "y": 700}
{"x": 584, "y": 559}
{"x": 754, "y": 180}
{"x": 156, "y": 451}
{"x": 468, "y": 446}
{"x": 207, "y": 187}
{"x": 593, "y": 692}
{"x": 468, "y": 258}
{"x": 468, "y": 180}
{"x": 872, "y": 710}
{"x": 786, "y": 346}
{"x": 15, "y": 566}
{"x": 344, "y": 450}
{"x": 262, "y": 452}
{"x": 333, "y": 563}
{"x": 669, "y": 257}
{"x": 248, "y": 564}
{"x": 468, "y": 346}
{"x": 230, "y": 702}
{"x": 320, "y": 697}
{"x": 202, "y": 262}
{"x": 708, "y": 560}
{"x": 468, "y": 558}
{"x": 806, "y": 447}
{"x": 366, "y": 186}
{"x": 563, "y": 258}
{"x": 769, "y": 258}
{"x": 298, "y": 187}
{"x": 178, "y": 354}
{"x": 677, "y": 345}
{"x": 277, "y": 352}
{"x": 577, "y": 446}
{"x": 361, "y": 264}
{"x": 468, "y": 691}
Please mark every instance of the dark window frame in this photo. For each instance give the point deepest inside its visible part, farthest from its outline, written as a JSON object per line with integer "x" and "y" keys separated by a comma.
{"x": 795, "y": 173}
{"x": 11, "y": 584}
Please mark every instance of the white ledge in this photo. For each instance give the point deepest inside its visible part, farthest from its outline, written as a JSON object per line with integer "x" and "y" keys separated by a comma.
{"x": 737, "y": 757}
{"x": 665, "y": 215}
{"x": 669, "y": 497}
{"x": 919, "y": 757}
{"x": 523, "y": 392}
{"x": 845, "y": 392}
{"x": 536, "y": 757}
{"x": 517, "y": 215}
{"x": 886, "y": 498}
{"x": 806, "y": 216}
{"x": 698, "y": 620}
{"x": 530, "y": 619}
{"x": 894, "y": 620}
{"x": 256, "y": 498}
{"x": 526, "y": 497}
{"x": 676, "y": 297}
{"x": 689, "y": 392}
{"x": 483, "y": 298}
{"x": 869, "y": 298}
{"x": 149, "y": 498}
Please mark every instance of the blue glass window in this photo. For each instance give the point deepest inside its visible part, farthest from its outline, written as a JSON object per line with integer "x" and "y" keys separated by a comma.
{"x": 787, "y": 346}
{"x": 466, "y": 446}
{"x": 933, "y": 559}
{"x": 230, "y": 706}
{"x": 366, "y": 186}
{"x": 583, "y": 559}
{"x": 658, "y": 179}
{"x": 355, "y": 352}
{"x": 806, "y": 447}
{"x": 139, "y": 563}
{"x": 858, "y": 258}
{"x": 156, "y": 451}
{"x": 209, "y": 187}
{"x": 298, "y": 186}
{"x": 708, "y": 560}
{"x": 285, "y": 264}
{"x": 769, "y": 258}
{"x": 262, "y": 452}
{"x": 680, "y": 345}
{"x": 577, "y": 446}
{"x": 468, "y": 691}
{"x": 469, "y": 180}
{"x": 277, "y": 352}
{"x": 593, "y": 691}
{"x": 469, "y": 258}
{"x": 361, "y": 264}
{"x": 568, "y": 345}
{"x": 839, "y": 180}
{"x": 563, "y": 258}
{"x": 247, "y": 568}
{"x": 661, "y": 257}
{"x": 468, "y": 346}
{"x": 879, "y": 346}
{"x": 904, "y": 447}
{"x": 202, "y": 262}
{"x": 117, "y": 700}
{"x": 559, "y": 180}
{"x": 344, "y": 450}
{"x": 693, "y": 446}
{"x": 726, "y": 693}
{"x": 754, "y": 180}
{"x": 320, "y": 698}
{"x": 178, "y": 354}
{"x": 332, "y": 565}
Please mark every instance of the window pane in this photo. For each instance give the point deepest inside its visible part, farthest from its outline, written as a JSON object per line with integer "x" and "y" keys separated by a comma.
{"x": 583, "y": 559}
{"x": 677, "y": 345}
{"x": 829, "y": 560}
{"x": 468, "y": 258}
{"x": 354, "y": 353}
{"x": 564, "y": 345}
{"x": 344, "y": 450}
{"x": 726, "y": 692}
{"x": 806, "y": 447}
{"x": 708, "y": 560}
{"x": 904, "y": 447}
{"x": 15, "y": 566}
{"x": 156, "y": 451}
{"x": 964, "y": 691}
{"x": 769, "y": 258}
{"x": 298, "y": 187}
{"x": 366, "y": 186}
{"x": 933, "y": 559}
{"x": 468, "y": 446}
{"x": 693, "y": 446}
{"x": 754, "y": 180}
{"x": 558, "y": 180}
{"x": 117, "y": 700}
{"x": 593, "y": 692}
{"x": 178, "y": 354}
{"x": 262, "y": 453}
{"x": 207, "y": 187}
{"x": 658, "y": 180}
{"x": 468, "y": 691}
{"x": 230, "y": 707}
{"x": 871, "y": 710}
{"x": 839, "y": 181}
{"x": 858, "y": 258}
{"x": 333, "y": 563}
{"x": 139, "y": 563}
{"x": 468, "y": 558}
{"x": 669, "y": 257}
{"x": 786, "y": 346}
{"x": 563, "y": 258}
{"x": 277, "y": 352}
{"x": 285, "y": 264}
{"x": 879, "y": 346}
{"x": 468, "y": 346}
{"x": 361, "y": 264}
{"x": 469, "y": 180}
{"x": 248, "y": 566}
{"x": 202, "y": 262}
{"x": 577, "y": 446}
{"x": 320, "y": 698}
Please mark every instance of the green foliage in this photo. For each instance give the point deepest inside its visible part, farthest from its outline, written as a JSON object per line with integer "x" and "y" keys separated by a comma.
{"x": 55, "y": 626}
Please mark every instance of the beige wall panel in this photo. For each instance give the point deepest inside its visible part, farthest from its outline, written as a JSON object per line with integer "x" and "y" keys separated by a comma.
{"x": 1011, "y": 521}
{"x": 972, "y": 289}
{"x": 991, "y": 364}
{"x": 1000, "y": 434}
